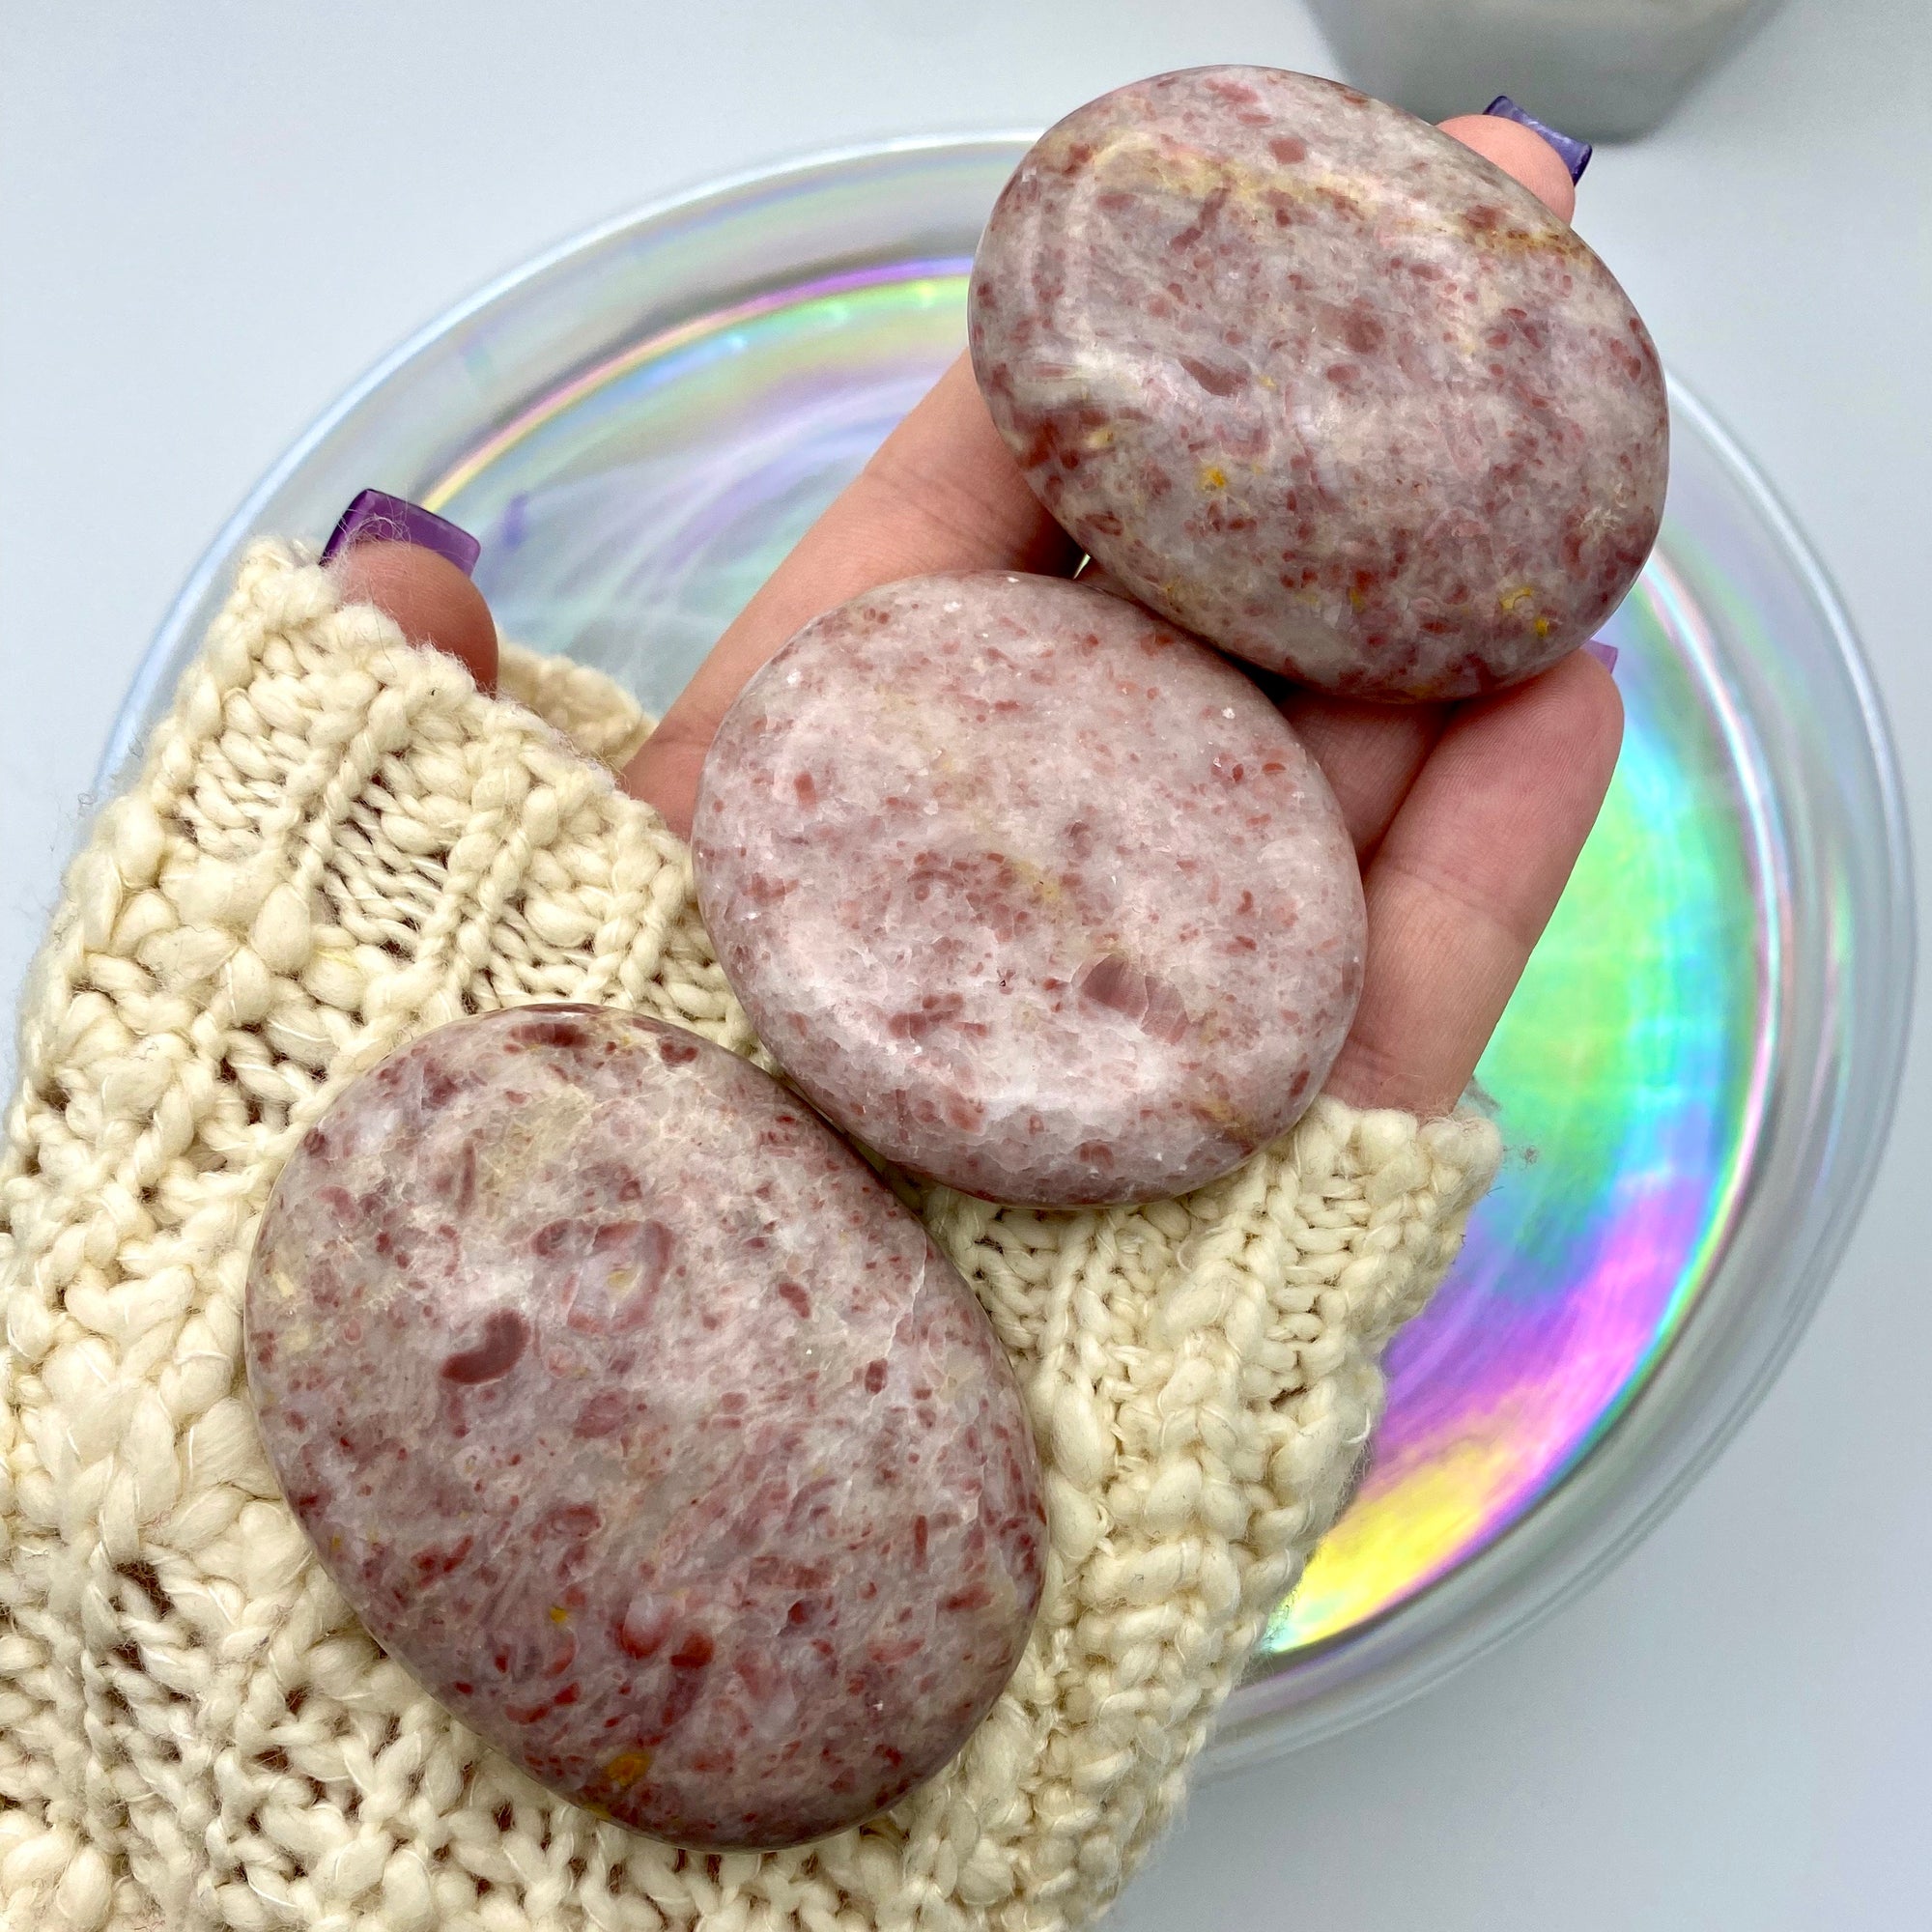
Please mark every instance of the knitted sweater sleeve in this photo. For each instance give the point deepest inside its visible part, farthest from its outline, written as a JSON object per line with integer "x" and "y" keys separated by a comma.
{"x": 333, "y": 844}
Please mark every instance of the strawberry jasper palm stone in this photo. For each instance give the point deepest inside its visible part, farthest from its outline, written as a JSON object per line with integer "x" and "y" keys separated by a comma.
{"x": 1029, "y": 892}
{"x": 1321, "y": 384}
{"x": 641, "y": 1422}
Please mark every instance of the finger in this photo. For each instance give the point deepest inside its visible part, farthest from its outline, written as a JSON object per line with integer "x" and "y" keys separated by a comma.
{"x": 1466, "y": 878}
{"x": 1522, "y": 154}
{"x": 431, "y": 601}
{"x": 942, "y": 493}
{"x": 1370, "y": 755}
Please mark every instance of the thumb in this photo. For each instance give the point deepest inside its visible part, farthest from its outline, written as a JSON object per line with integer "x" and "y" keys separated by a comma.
{"x": 415, "y": 567}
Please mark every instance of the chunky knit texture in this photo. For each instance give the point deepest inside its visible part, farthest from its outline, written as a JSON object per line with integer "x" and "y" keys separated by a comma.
{"x": 336, "y": 843}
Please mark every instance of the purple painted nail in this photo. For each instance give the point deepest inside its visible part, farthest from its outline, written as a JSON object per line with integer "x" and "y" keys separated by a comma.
{"x": 1575, "y": 153}
{"x": 377, "y": 517}
{"x": 1604, "y": 654}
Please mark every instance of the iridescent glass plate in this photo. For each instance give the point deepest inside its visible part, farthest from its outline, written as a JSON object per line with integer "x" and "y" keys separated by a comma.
{"x": 1696, "y": 1071}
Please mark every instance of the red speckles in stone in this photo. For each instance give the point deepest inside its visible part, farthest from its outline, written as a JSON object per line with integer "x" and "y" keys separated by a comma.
{"x": 1321, "y": 384}
{"x": 1150, "y": 1003}
{"x": 505, "y": 1337}
{"x": 1067, "y": 874}
{"x": 708, "y": 1428}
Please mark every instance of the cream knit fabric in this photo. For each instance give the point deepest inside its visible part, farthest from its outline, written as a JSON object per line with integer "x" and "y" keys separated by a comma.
{"x": 335, "y": 843}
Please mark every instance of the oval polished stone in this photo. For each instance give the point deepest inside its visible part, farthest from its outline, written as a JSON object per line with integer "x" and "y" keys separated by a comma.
{"x": 641, "y": 1422}
{"x": 1029, "y": 891}
{"x": 1316, "y": 382}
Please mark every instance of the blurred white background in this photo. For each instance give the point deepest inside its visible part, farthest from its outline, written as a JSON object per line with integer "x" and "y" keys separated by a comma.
{"x": 215, "y": 215}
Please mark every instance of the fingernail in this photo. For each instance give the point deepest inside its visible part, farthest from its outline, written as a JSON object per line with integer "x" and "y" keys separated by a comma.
{"x": 377, "y": 517}
{"x": 1604, "y": 654}
{"x": 1575, "y": 153}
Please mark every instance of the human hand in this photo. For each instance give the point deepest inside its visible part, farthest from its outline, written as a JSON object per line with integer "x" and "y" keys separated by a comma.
{"x": 1467, "y": 818}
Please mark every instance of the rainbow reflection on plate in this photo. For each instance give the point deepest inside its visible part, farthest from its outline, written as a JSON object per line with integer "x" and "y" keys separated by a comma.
{"x": 1629, "y": 1074}
{"x": 1696, "y": 1074}
{"x": 627, "y": 516}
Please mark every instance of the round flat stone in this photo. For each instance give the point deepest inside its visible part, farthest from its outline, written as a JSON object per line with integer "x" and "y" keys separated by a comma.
{"x": 1318, "y": 383}
{"x": 1029, "y": 891}
{"x": 637, "y": 1419}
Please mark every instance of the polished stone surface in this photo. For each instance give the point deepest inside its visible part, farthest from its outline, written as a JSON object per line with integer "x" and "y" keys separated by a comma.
{"x": 636, "y": 1418}
{"x": 1029, "y": 892}
{"x": 1321, "y": 384}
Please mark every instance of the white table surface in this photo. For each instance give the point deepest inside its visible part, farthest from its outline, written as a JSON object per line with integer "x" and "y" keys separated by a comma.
{"x": 213, "y": 215}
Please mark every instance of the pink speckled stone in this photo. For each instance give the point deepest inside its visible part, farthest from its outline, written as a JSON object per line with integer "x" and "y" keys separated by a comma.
{"x": 636, "y": 1418}
{"x": 1320, "y": 384}
{"x": 1029, "y": 891}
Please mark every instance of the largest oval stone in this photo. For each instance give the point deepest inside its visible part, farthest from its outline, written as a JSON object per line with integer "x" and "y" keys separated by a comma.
{"x": 1321, "y": 384}
{"x": 641, "y": 1422}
